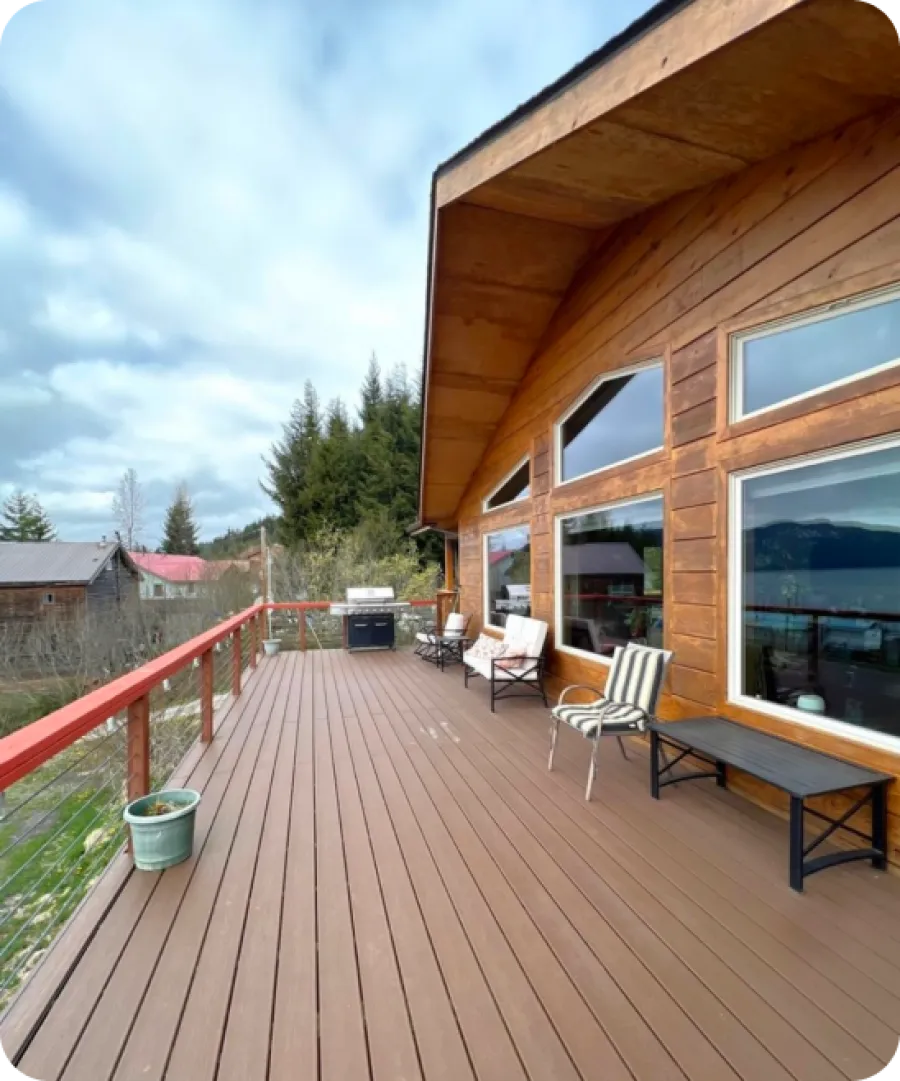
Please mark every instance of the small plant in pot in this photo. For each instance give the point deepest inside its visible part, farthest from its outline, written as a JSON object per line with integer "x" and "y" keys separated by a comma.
{"x": 162, "y": 828}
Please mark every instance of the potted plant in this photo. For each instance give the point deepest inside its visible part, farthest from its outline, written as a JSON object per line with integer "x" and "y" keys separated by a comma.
{"x": 162, "y": 828}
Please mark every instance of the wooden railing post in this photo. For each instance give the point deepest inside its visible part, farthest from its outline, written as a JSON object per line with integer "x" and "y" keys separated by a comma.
{"x": 302, "y": 616}
{"x": 236, "y": 663}
{"x": 206, "y": 696}
{"x": 139, "y": 748}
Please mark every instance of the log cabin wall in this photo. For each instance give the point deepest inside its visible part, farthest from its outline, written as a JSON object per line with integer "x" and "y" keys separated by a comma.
{"x": 817, "y": 224}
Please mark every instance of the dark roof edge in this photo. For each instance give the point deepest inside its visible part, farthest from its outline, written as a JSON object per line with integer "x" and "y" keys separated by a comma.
{"x": 652, "y": 18}
{"x": 429, "y": 287}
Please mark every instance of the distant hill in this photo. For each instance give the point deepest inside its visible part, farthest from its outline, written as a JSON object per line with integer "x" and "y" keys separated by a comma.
{"x": 787, "y": 546}
{"x": 236, "y": 541}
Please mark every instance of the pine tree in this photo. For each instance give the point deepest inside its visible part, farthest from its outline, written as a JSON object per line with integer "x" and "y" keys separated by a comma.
{"x": 180, "y": 529}
{"x": 24, "y": 519}
{"x": 290, "y": 464}
{"x": 372, "y": 394}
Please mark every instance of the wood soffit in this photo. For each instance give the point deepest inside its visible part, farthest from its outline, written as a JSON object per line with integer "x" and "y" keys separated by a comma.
{"x": 715, "y": 88}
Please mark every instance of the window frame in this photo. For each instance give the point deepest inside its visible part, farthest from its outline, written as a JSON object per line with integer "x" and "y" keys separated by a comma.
{"x": 735, "y": 606}
{"x": 629, "y": 501}
{"x": 485, "y": 509}
{"x": 607, "y": 377}
{"x": 872, "y": 298}
{"x": 486, "y": 583}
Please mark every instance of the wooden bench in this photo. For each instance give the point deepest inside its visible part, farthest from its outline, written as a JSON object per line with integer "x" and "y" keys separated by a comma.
{"x": 798, "y": 771}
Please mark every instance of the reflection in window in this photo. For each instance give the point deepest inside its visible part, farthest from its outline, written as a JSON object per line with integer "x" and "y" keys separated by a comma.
{"x": 611, "y": 566}
{"x": 508, "y": 575}
{"x": 820, "y": 606}
{"x": 796, "y": 358}
{"x": 516, "y": 487}
{"x": 622, "y": 419}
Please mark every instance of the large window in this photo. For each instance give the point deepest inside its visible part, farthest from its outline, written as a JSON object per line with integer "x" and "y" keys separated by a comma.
{"x": 816, "y": 590}
{"x": 620, "y": 419}
{"x": 507, "y": 575}
{"x": 797, "y": 357}
{"x": 610, "y": 577}
{"x": 513, "y": 488}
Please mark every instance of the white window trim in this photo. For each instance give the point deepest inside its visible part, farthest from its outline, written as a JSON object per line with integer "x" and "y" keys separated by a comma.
{"x": 606, "y": 377}
{"x": 560, "y": 646}
{"x": 486, "y": 584}
{"x": 509, "y": 476}
{"x": 854, "y": 733}
{"x": 816, "y": 315}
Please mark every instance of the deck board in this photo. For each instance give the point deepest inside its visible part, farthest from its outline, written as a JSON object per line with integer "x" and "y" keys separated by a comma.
{"x": 389, "y": 884}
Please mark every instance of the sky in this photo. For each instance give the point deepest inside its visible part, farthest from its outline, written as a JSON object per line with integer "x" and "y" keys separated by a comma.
{"x": 204, "y": 204}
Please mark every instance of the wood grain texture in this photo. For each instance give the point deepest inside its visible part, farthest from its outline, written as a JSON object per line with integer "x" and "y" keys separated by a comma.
{"x": 812, "y": 226}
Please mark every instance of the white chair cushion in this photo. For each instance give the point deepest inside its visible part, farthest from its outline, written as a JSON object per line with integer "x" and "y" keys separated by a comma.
{"x": 512, "y": 631}
{"x": 486, "y": 647}
{"x": 529, "y": 639}
{"x": 455, "y": 625}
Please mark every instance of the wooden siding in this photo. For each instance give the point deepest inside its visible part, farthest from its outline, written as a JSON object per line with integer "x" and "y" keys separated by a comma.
{"x": 817, "y": 223}
{"x": 21, "y": 605}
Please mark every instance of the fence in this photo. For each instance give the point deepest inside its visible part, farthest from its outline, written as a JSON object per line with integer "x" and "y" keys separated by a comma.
{"x": 65, "y": 778}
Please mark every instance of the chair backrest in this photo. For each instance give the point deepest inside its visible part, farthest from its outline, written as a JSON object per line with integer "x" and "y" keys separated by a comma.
{"x": 529, "y": 638}
{"x": 636, "y": 676}
{"x": 513, "y": 629}
{"x": 456, "y": 625}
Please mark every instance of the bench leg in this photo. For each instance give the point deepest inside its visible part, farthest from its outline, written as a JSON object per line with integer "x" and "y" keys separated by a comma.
{"x": 654, "y": 765}
{"x": 720, "y": 775}
{"x": 879, "y": 826}
{"x": 797, "y": 844}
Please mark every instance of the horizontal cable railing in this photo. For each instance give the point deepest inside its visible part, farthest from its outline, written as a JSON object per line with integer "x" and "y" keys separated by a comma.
{"x": 65, "y": 779}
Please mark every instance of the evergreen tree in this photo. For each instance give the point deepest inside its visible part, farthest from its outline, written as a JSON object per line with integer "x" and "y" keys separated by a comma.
{"x": 24, "y": 519}
{"x": 180, "y": 529}
{"x": 334, "y": 474}
{"x": 289, "y": 482}
{"x": 372, "y": 394}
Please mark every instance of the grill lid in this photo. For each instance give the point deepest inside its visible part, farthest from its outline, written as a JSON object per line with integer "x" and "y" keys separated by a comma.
{"x": 370, "y": 595}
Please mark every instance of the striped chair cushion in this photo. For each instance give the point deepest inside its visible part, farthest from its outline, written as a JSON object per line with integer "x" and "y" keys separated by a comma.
{"x": 636, "y": 677}
{"x": 603, "y": 717}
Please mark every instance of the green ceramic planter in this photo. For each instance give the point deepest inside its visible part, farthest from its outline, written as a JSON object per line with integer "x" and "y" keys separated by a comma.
{"x": 160, "y": 841}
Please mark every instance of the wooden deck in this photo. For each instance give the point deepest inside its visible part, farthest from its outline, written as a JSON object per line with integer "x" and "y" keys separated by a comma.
{"x": 390, "y": 885}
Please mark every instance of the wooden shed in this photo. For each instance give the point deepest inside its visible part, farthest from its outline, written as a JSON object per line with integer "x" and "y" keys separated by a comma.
{"x": 663, "y": 366}
{"x": 48, "y": 582}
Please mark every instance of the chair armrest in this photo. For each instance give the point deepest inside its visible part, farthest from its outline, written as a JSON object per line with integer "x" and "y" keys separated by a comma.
{"x": 579, "y": 687}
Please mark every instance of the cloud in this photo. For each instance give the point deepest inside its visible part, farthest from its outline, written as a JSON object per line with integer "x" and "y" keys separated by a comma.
{"x": 207, "y": 203}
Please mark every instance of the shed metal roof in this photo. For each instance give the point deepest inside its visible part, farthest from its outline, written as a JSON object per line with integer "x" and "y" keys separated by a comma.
{"x": 34, "y": 563}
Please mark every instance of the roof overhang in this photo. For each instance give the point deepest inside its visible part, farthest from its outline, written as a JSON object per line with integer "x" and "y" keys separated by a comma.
{"x": 692, "y": 93}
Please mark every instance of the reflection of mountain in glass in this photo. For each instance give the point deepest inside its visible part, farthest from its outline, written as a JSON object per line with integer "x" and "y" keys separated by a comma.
{"x": 823, "y": 565}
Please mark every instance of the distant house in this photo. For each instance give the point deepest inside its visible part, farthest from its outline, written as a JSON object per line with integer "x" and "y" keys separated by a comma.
{"x": 62, "y": 579}
{"x": 165, "y": 577}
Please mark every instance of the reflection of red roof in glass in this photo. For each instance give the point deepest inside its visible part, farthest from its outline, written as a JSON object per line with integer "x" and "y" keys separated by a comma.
{"x": 496, "y": 557}
{"x": 172, "y": 568}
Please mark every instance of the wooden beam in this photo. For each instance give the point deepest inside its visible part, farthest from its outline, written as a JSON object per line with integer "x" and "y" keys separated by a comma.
{"x": 139, "y": 748}
{"x": 206, "y": 696}
{"x": 236, "y": 662}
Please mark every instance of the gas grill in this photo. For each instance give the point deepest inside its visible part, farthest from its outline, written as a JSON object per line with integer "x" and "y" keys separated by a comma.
{"x": 368, "y": 617}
